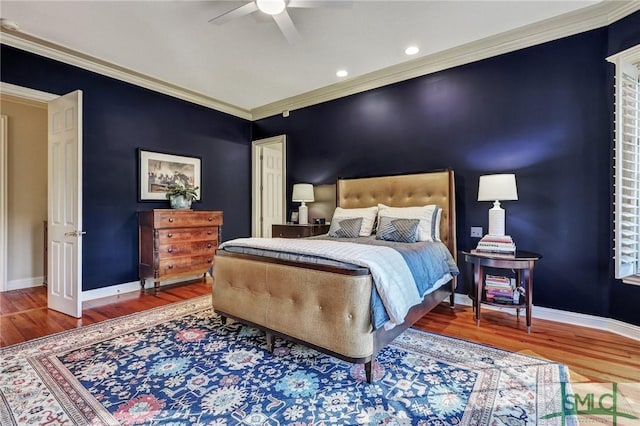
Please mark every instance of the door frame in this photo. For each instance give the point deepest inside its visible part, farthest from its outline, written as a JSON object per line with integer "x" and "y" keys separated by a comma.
{"x": 256, "y": 179}
{"x": 32, "y": 95}
{"x": 4, "y": 136}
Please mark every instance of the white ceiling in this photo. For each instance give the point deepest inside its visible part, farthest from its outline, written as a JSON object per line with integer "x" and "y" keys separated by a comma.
{"x": 247, "y": 62}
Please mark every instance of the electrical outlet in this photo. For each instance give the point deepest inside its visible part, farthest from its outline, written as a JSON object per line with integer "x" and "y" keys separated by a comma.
{"x": 476, "y": 231}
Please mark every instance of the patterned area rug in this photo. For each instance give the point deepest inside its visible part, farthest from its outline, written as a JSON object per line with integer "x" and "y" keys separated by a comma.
{"x": 178, "y": 365}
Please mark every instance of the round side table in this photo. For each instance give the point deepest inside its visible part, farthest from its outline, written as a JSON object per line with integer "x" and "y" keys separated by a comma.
{"x": 522, "y": 262}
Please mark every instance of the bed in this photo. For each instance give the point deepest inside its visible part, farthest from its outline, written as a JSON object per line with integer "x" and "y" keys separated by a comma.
{"x": 328, "y": 306}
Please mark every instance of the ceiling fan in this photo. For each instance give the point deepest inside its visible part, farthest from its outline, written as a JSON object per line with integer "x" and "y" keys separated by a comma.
{"x": 278, "y": 10}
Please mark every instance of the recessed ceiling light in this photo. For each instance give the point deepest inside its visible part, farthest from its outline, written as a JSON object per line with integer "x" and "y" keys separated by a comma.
{"x": 271, "y": 7}
{"x": 411, "y": 50}
{"x": 342, "y": 73}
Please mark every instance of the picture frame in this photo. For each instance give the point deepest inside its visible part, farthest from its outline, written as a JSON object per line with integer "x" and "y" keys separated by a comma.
{"x": 156, "y": 170}
{"x": 294, "y": 217}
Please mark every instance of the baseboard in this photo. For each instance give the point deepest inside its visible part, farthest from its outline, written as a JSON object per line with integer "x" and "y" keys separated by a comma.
{"x": 584, "y": 320}
{"x": 112, "y": 290}
{"x": 24, "y": 283}
{"x": 117, "y": 289}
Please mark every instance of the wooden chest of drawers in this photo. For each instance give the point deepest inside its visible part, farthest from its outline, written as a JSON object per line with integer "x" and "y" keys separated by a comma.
{"x": 176, "y": 243}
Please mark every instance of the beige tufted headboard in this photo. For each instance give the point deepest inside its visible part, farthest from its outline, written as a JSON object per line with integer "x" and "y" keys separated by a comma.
{"x": 406, "y": 191}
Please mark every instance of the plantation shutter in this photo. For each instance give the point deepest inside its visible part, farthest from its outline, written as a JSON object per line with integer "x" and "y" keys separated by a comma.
{"x": 627, "y": 168}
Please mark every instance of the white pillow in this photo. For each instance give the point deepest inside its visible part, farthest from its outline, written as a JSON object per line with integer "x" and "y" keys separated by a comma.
{"x": 426, "y": 214}
{"x": 368, "y": 215}
{"x": 437, "y": 227}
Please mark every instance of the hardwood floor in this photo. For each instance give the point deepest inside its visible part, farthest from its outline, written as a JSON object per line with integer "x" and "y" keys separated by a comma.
{"x": 24, "y": 314}
{"x": 592, "y": 355}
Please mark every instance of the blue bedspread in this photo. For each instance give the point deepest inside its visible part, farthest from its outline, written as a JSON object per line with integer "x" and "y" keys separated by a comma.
{"x": 428, "y": 263}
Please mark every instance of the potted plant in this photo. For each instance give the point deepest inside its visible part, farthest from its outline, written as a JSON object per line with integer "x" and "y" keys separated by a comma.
{"x": 181, "y": 194}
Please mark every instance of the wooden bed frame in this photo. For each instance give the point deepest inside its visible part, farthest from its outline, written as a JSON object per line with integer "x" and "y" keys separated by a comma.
{"x": 328, "y": 308}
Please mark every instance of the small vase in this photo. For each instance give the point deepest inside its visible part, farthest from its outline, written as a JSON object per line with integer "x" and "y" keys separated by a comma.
{"x": 180, "y": 202}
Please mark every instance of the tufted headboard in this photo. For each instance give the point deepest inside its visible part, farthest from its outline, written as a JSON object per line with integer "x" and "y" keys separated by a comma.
{"x": 405, "y": 191}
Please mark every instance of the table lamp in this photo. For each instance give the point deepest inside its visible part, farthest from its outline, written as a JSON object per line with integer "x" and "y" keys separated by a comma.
{"x": 302, "y": 192}
{"x": 495, "y": 188}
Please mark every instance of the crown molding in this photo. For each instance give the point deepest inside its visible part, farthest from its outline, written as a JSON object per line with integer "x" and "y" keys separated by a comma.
{"x": 63, "y": 54}
{"x": 599, "y": 15}
{"x": 623, "y": 8}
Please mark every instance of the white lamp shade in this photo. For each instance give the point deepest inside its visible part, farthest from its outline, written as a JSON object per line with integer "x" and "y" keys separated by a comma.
{"x": 302, "y": 192}
{"x": 497, "y": 187}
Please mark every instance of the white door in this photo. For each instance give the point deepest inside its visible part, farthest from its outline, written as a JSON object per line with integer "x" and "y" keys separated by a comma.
{"x": 272, "y": 188}
{"x": 65, "y": 204}
{"x": 269, "y": 180}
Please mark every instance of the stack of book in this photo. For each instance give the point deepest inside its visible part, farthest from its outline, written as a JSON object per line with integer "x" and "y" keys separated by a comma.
{"x": 497, "y": 244}
{"x": 499, "y": 289}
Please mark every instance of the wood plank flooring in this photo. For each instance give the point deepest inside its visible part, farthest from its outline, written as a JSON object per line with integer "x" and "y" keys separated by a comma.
{"x": 24, "y": 314}
{"x": 592, "y": 355}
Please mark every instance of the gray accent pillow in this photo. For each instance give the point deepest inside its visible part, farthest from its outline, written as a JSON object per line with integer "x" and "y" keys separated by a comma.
{"x": 345, "y": 228}
{"x": 400, "y": 230}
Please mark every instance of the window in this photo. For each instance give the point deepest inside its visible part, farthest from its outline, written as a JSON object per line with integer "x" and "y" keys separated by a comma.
{"x": 627, "y": 165}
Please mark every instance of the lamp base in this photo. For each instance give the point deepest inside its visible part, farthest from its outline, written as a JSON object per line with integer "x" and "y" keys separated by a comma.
{"x": 303, "y": 214}
{"x": 496, "y": 220}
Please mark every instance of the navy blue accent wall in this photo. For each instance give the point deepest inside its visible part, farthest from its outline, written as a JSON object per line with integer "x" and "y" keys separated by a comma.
{"x": 118, "y": 118}
{"x": 542, "y": 112}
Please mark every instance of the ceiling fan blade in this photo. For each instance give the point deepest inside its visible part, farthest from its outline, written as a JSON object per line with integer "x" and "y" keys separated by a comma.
{"x": 284, "y": 22}
{"x": 336, "y": 4}
{"x": 235, "y": 13}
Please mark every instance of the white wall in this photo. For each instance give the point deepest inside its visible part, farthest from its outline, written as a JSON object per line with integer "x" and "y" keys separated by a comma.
{"x": 27, "y": 190}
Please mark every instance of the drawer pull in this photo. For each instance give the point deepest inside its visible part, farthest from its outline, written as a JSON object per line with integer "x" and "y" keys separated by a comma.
{"x": 169, "y": 235}
{"x": 171, "y": 219}
{"x": 210, "y": 218}
{"x": 170, "y": 266}
{"x": 209, "y": 260}
{"x": 209, "y": 245}
{"x": 209, "y": 232}
{"x": 170, "y": 249}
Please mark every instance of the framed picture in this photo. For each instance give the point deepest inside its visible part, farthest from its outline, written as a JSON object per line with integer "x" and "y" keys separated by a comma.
{"x": 158, "y": 170}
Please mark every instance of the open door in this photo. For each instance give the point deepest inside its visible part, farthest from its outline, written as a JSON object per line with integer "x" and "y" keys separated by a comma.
{"x": 269, "y": 184}
{"x": 65, "y": 204}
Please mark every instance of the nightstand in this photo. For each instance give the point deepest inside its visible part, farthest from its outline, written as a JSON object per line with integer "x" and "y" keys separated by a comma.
{"x": 298, "y": 231}
{"x": 522, "y": 263}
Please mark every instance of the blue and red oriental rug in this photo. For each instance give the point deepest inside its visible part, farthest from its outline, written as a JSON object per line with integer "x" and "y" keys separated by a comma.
{"x": 178, "y": 365}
